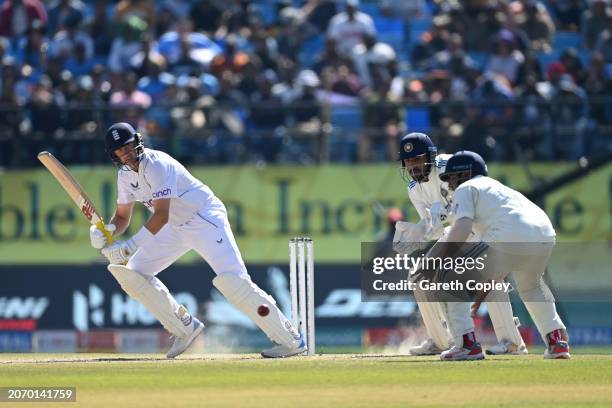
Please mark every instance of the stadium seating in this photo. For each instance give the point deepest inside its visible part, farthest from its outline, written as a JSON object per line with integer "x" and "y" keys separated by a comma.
{"x": 347, "y": 123}
{"x": 567, "y": 39}
{"x": 310, "y": 49}
{"x": 418, "y": 119}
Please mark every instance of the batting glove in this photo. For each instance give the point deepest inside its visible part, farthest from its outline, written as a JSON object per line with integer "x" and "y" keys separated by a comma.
{"x": 120, "y": 251}
{"x": 97, "y": 237}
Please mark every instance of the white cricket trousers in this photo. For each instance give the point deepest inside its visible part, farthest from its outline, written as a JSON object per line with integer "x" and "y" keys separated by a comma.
{"x": 207, "y": 232}
{"x": 527, "y": 262}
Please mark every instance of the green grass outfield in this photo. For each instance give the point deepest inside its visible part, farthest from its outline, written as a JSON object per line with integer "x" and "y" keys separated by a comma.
{"x": 328, "y": 380}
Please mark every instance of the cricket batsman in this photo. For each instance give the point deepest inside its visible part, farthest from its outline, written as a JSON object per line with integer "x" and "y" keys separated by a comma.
{"x": 185, "y": 215}
{"x": 420, "y": 168}
{"x": 517, "y": 237}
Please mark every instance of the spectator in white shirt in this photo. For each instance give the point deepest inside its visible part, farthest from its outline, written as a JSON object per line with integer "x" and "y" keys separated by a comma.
{"x": 64, "y": 42}
{"x": 506, "y": 59}
{"x": 127, "y": 45}
{"x": 371, "y": 54}
{"x": 349, "y": 27}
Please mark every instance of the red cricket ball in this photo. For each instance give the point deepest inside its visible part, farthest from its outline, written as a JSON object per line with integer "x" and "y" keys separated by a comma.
{"x": 263, "y": 310}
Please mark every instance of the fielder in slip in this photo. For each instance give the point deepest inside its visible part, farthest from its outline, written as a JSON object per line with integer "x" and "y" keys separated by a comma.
{"x": 185, "y": 215}
{"x": 516, "y": 236}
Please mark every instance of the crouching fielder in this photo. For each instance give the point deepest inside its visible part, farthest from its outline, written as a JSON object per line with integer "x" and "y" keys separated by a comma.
{"x": 185, "y": 215}
{"x": 519, "y": 239}
{"x": 420, "y": 168}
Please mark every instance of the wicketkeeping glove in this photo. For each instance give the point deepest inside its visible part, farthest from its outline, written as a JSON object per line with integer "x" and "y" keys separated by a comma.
{"x": 438, "y": 216}
{"x": 409, "y": 237}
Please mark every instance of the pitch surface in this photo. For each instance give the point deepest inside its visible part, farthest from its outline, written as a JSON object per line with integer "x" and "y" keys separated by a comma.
{"x": 329, "y": 380}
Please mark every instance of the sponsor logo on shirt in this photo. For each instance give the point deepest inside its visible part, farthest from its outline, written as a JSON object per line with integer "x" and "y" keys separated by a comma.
{"x": 162, "y": 193}
{"x": 440, "y": 163}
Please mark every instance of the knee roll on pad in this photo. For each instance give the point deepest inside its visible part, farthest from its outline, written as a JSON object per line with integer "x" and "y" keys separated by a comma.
{"x": 248, "y": 297}
{"x": 154, "y": 296}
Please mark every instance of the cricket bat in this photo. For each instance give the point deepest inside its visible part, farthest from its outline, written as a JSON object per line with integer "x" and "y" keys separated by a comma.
{"x": 74, "y": 190}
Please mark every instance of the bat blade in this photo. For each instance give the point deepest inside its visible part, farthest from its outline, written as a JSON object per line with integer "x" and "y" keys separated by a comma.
{"x": 74, "y": 190}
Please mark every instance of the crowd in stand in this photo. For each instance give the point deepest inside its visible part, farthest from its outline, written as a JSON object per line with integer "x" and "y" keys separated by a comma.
{"x": 306, "y": 81}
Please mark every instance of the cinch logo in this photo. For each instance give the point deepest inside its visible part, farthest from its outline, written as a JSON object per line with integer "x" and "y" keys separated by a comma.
{"x": 162, "y": 193}
{"x": 115, "y": 134}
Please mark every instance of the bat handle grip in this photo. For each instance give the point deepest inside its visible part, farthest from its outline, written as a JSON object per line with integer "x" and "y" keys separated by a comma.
{"x": 100, "y": 226}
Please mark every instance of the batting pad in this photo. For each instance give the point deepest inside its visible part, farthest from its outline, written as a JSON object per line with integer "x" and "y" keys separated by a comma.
{"x": 248, "y": 297}
{"x": 433, "y": 318}
{"x": 154, "y": 296}
{"x": 500, "y": 312}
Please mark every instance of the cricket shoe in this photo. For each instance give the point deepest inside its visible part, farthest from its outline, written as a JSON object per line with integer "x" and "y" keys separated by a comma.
{"x": 426, "y": 348}
{"x": 182, "y": 343}
{"x": 558, "y": 346}
{"x": 470, "y": 350}
{"x": 280, "y": 351}
{"x": 456, "y": 353}
{"x": 505, "y": 347}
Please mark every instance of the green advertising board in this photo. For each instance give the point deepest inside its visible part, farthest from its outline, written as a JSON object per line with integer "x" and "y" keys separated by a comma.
{"x": 339, "y": 206}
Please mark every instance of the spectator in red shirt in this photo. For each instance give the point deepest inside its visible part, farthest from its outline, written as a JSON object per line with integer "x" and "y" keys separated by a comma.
{"x": 16, "y": 16}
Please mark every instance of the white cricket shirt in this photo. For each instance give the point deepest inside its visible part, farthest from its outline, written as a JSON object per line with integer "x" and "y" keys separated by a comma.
{"x": 434, "y": 190}
{"x": 501, "y": 214}
{"x": 161, "y": 176}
